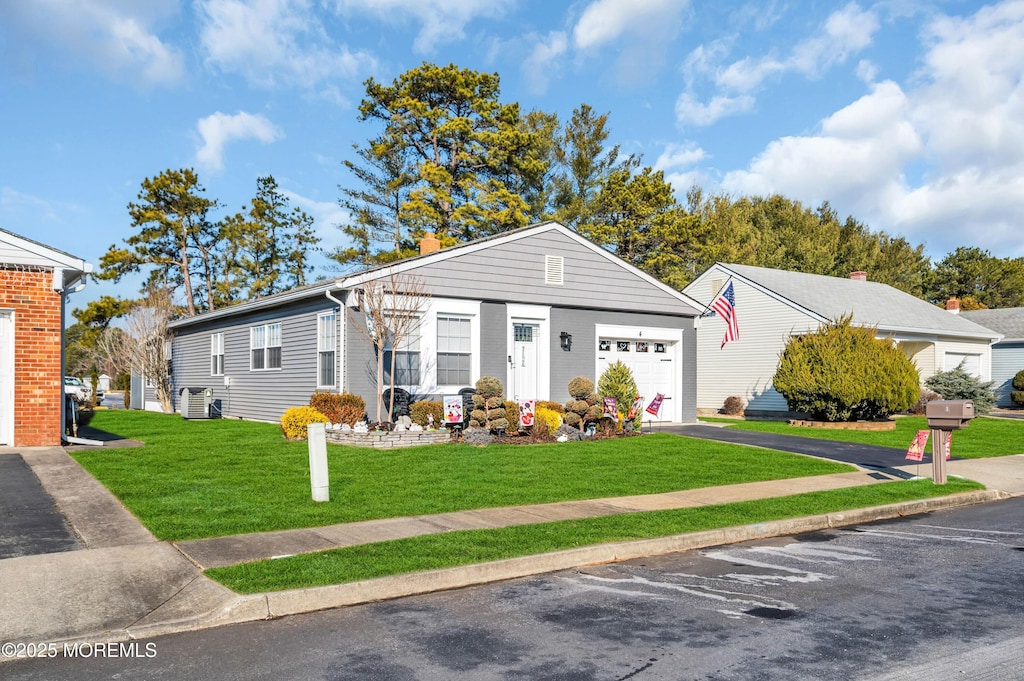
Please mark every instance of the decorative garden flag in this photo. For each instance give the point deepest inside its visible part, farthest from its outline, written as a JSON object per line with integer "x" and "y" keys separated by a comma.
{"x": 526, "y": 413}
{"x": 634, "y": 410}
{"x": 655, "y": 406}
{"x": 611, "y": 408}
{"x": 453, "y": 408}
{"x": 916, "y": 451}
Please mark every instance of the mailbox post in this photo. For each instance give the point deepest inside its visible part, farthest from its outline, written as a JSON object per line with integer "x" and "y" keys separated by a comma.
{"x": 945, "y": 416}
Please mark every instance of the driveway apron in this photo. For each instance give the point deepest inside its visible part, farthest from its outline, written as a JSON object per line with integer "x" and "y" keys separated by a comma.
{"x": 30, "y": 523}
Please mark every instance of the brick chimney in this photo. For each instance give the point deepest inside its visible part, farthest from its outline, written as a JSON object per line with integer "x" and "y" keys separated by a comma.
{"x": 953, "y": 305}
{"x": 429, "y": 243}
{"x": 859, "y": 275}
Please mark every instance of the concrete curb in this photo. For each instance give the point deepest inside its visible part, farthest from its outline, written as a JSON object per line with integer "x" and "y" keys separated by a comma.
{"x": 297, "y": 601}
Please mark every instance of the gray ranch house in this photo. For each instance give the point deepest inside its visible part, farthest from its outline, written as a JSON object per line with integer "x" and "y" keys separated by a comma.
{"x": 1008, "y": 353}
{"x": 772, "y": 305}
{"x": 533, "y": 307}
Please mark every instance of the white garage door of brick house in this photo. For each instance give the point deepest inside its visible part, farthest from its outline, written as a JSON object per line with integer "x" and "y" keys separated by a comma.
{"x": 653, "y": 355}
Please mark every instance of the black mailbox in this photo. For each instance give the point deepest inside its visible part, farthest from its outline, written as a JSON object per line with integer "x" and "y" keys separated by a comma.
{"x": 949, "y": 414}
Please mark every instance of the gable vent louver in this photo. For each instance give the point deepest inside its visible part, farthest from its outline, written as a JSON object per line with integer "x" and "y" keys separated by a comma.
{"x": 554, "y": 269}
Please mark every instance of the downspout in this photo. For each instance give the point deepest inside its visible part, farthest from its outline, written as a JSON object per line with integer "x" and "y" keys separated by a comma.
{"x": 341, "y": 338}
{"x": 76, "y": 285}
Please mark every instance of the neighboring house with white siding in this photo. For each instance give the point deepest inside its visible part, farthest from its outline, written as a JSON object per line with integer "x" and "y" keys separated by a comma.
{"x": 533, "y": 307}
{"x": 1008, "y": 353}
{"x": 772, "y": 305}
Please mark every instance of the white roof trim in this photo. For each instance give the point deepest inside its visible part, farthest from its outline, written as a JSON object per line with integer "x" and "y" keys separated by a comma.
{"x": 56, "y": 258}
{"x": 270, "y": 301}
{"x": 446, "y": 253}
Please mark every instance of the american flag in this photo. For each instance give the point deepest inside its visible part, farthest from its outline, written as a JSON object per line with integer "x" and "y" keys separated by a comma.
{"x": 725, "y": 305}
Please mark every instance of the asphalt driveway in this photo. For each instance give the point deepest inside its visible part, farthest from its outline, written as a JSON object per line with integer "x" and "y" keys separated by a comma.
{"x": 30, "y": 522}
{"x": 866, "y": 456}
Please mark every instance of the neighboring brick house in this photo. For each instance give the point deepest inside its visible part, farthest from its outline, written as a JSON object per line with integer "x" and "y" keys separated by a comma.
{"x": 34, "y": 282}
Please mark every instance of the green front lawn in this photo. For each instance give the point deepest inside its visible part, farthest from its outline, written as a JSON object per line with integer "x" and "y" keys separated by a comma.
{"x": 450, "y": 549}
{"x": 197, "y": 479}
{"x": 984, "y": 437}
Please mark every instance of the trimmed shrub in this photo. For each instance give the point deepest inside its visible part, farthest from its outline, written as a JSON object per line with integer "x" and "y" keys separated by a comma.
{"x": 512, "y": 414}
{"x": 843, "y": 372}
{"x": 581, "y": 387}
{"x": 344, "y": 408}
{"x": 733, "y": 406}
{"x": 418, "y": 413}
{"x": 295, "y": 420}
{"x": 926, "y": 396}
{"x": 1017, "y": 394}
{"x": 957, "y": 384}
{"x": 490, "y": 404}
{"x": 547, "y": 419}
{"x": 553, "y": 406}
{"x": 573, "y": 419}
{"x": 617, "y": 381}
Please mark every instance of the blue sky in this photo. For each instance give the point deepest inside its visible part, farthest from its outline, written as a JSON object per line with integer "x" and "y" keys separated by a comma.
{"x": 907, "y": 115}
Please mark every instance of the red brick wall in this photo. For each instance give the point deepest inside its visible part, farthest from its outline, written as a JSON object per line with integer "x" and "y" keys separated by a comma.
{"x": 38, "y": 384}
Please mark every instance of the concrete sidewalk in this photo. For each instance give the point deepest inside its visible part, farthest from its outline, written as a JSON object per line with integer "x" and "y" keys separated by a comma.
{"x": 124, "y": 584}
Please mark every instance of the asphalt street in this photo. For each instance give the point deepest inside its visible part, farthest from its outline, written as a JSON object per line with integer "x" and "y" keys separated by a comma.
{"x": 930, "y": 597}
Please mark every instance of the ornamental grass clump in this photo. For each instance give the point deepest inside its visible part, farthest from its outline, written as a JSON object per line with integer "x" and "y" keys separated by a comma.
{"x": 843, "y": 372}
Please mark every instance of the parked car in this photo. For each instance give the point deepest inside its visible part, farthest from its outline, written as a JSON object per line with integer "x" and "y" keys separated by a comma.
{"x": 76, "y": 388}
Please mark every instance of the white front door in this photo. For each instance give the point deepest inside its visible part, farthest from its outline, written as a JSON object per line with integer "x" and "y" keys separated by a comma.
{"x": 525, "y": 364}
{"x": 6, "y": 378}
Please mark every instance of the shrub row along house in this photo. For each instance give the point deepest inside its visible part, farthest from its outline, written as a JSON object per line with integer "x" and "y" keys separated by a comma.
{"x": 773, "y": 305}
{"x": 533, "y": 307}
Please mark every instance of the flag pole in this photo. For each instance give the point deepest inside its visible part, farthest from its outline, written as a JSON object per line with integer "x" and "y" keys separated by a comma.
{"x": 704, "y": 312}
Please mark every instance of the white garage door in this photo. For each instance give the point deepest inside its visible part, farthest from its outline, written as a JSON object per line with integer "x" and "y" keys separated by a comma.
{"x": 654, "y": 365}
{"x": 6, "y": 378}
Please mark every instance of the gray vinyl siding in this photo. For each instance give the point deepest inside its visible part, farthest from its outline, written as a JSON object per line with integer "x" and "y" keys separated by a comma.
{"x": 1007, "y": 360}
{"x": 493, "y": 343}
{"x": 514, "y": 271}
{"x": 263, "y": 394}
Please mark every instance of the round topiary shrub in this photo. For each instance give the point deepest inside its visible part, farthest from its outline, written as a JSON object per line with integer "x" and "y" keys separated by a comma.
{"x": 843, "y": 372}
{"x": 489, "y": 387}
{"x": 1017, "y": 394}
{"x": 581, "y": 387}
{"x": 295, "y": 420}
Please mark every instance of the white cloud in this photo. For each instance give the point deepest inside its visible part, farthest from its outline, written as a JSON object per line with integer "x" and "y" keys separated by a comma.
{"x": 115, "y": 36}
{"x": 962, "y": 123}
{"x": 541, "y": 63}
{"x": 327, "y": 216}
{"x": 442, "y": 21}
{"x": 219, "y": 129}
{"x": 604, "y": 21}
{"x": 275, "y": 42}
{"x": 689, "y": 111}
{"x": 845, "y": 32}
{"x": 16, "y": 205}
{"x": 678, "y": 162}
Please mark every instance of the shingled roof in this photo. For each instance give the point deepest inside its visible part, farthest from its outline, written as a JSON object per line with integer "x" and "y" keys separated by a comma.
{"x": 871, "y": 303}
{"x": 1008, "y": 321}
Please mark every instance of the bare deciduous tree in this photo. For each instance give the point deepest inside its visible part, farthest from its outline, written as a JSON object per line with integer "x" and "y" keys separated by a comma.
{"x": 393, "y": 306}
{"x": 143, "y": 344}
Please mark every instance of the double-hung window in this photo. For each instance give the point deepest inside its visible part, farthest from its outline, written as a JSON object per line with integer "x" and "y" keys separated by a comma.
{"x": 326, "y": 344}
{"x": 454, "y": 349}
{"x": 265, "y": 346}
{"x": 407, "y": 353}
{"x": 217, "y": 354}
